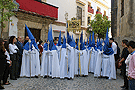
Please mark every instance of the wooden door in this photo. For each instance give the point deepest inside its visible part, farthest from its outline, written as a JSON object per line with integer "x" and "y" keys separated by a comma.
{"x": 36, "y": 33}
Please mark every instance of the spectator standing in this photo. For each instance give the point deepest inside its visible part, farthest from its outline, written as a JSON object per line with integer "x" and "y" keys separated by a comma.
{"x": 26, "y": 40}
{"x": 117, "y": 56}
{"x": 13, "y": 56}
{"x": 114, "y": 47}
{"x": 2, "y": 61}
{"x": 8, "y": 64}
{"x": 131, "y": 71}
{"x": 124, "y": 55}
{"x": 20, "y": 47}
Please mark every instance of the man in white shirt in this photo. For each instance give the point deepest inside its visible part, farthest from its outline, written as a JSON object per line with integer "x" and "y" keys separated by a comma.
{"x": 113, "y": 45}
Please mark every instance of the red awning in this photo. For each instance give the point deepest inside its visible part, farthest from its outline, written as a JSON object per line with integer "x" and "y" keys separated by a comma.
{"x": 42, "y": 9}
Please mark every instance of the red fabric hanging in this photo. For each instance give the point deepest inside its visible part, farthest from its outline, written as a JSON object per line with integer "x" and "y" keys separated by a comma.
{"x": 37, "y": 7}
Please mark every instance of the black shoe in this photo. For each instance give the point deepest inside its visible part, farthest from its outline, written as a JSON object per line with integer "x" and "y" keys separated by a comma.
{"x": 1, "y": 87}
{"x": 36, "y": 76}
{"x": 122, "y": 86}
{"x": 13, "y": 78}
{"x": 45, "y": 76}
{"x": 6, "y": 84}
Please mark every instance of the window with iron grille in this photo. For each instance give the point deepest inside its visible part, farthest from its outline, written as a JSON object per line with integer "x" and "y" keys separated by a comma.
{"x": 79, "y": 13}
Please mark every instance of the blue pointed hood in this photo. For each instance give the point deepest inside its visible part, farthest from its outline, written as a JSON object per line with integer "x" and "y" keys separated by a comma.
{"x": 50, "y": 38}
{"x": 45, "y": 46}
{"x": 27, "y": 46}
{"x": 90, "y": 40}
{"x": 99, "y": 45}
{"x": 87, "y": 43}
{"x": 84, "y": 45}
{"x": 81, "y": 41}
{"x": 93, "y": 40}
{"x": 31, "y": 37}
{"x": 89, "y": 46}
{"x": 64, "y": 42}
{"x": 107, "y": 49}
{"x": 101, "y": 41}
{"x": 97, "y": 42}
{"x": 77, "y": 44}
{"x": 72, "y": 43}
{"x": 50, "y": 33}
{"x": 59, "y": 41}
{"x": 68, "y": 38}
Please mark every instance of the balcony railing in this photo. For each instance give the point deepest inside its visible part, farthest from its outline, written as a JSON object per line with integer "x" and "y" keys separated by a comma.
{"x": 90, "y": 10}
{"x": 97, "y": 12}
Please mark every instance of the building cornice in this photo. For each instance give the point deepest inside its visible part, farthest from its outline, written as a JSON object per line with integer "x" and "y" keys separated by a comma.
{"x": 80, "y": 2}
{"x": 101, "y": 4}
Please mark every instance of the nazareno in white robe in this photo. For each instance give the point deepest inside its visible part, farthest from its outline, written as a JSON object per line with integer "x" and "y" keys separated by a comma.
{"x": 112, "y": 67}
{"x": 55, "y": 64}
{"x": 76, "y": 62}
{"x": 92, "y": 61}
{"x": 70, "y": 56}
{"x": 45, "y": 64}
{"x": 63, "y": 63}
{"x": 105, "y": 65}
{"x": 58, "y": 50}
{"x": 30, "y": 58}
{"x": 108, "y": 66}
{"x": 89, "y": 59}
{"x": 97, "y": 72}
{"x": 84, "y": 62}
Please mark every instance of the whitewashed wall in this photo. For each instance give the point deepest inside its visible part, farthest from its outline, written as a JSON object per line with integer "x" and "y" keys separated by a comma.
{"x": 13, "y": 28}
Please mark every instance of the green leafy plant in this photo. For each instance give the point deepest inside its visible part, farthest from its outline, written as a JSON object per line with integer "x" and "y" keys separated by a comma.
{"x": 6, "y": 7}
{"x": 99, "y": 25}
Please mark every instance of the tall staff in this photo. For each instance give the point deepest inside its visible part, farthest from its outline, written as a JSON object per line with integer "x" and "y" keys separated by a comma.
{"x": 75, "y": 25}
{"x": 79, "y": 56}
{"x": 30, "y": 56}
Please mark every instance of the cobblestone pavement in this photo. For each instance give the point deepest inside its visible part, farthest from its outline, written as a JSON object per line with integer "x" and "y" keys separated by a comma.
{"x": 78, "y": 83}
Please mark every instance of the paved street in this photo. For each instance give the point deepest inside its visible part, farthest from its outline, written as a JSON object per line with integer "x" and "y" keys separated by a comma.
{"x": 78, "y": 83}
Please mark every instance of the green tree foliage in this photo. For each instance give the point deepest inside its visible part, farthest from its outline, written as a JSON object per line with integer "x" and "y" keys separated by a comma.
{"x": 99, "y": 25}
{"x": 6, "y": 7}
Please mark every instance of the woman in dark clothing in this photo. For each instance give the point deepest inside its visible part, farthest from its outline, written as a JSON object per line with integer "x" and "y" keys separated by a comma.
{"x": 8, "y": 64}
{"x": 2, "y": 61}
{"x": 13, "y": 57}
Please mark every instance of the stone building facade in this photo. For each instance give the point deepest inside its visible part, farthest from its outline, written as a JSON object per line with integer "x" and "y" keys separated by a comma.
{"x": 36, "y": 18}
{"x": 114, "y": 17}
{"x": 125, "y": 21}
{"x": 33, "y": 21}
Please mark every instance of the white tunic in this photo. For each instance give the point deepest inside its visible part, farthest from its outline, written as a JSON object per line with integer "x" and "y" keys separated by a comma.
{"x": 108, "y": 66}
{"x": 92, "y": 61}
{"x": 112, "y": 67}
{"x": 97, "y": 72}
{"x": 30, "y": 58}
{"x": 45, "y": 64}
{"x": 63, "y": 63}
{"x": 76, "y": 66}
{"x": 58, "y": 50}
{"x": 55, "y": 64}
{"x": 84, "y": 62}
{"x": 105, "y": 65}
{"x": 71, "y": 51}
